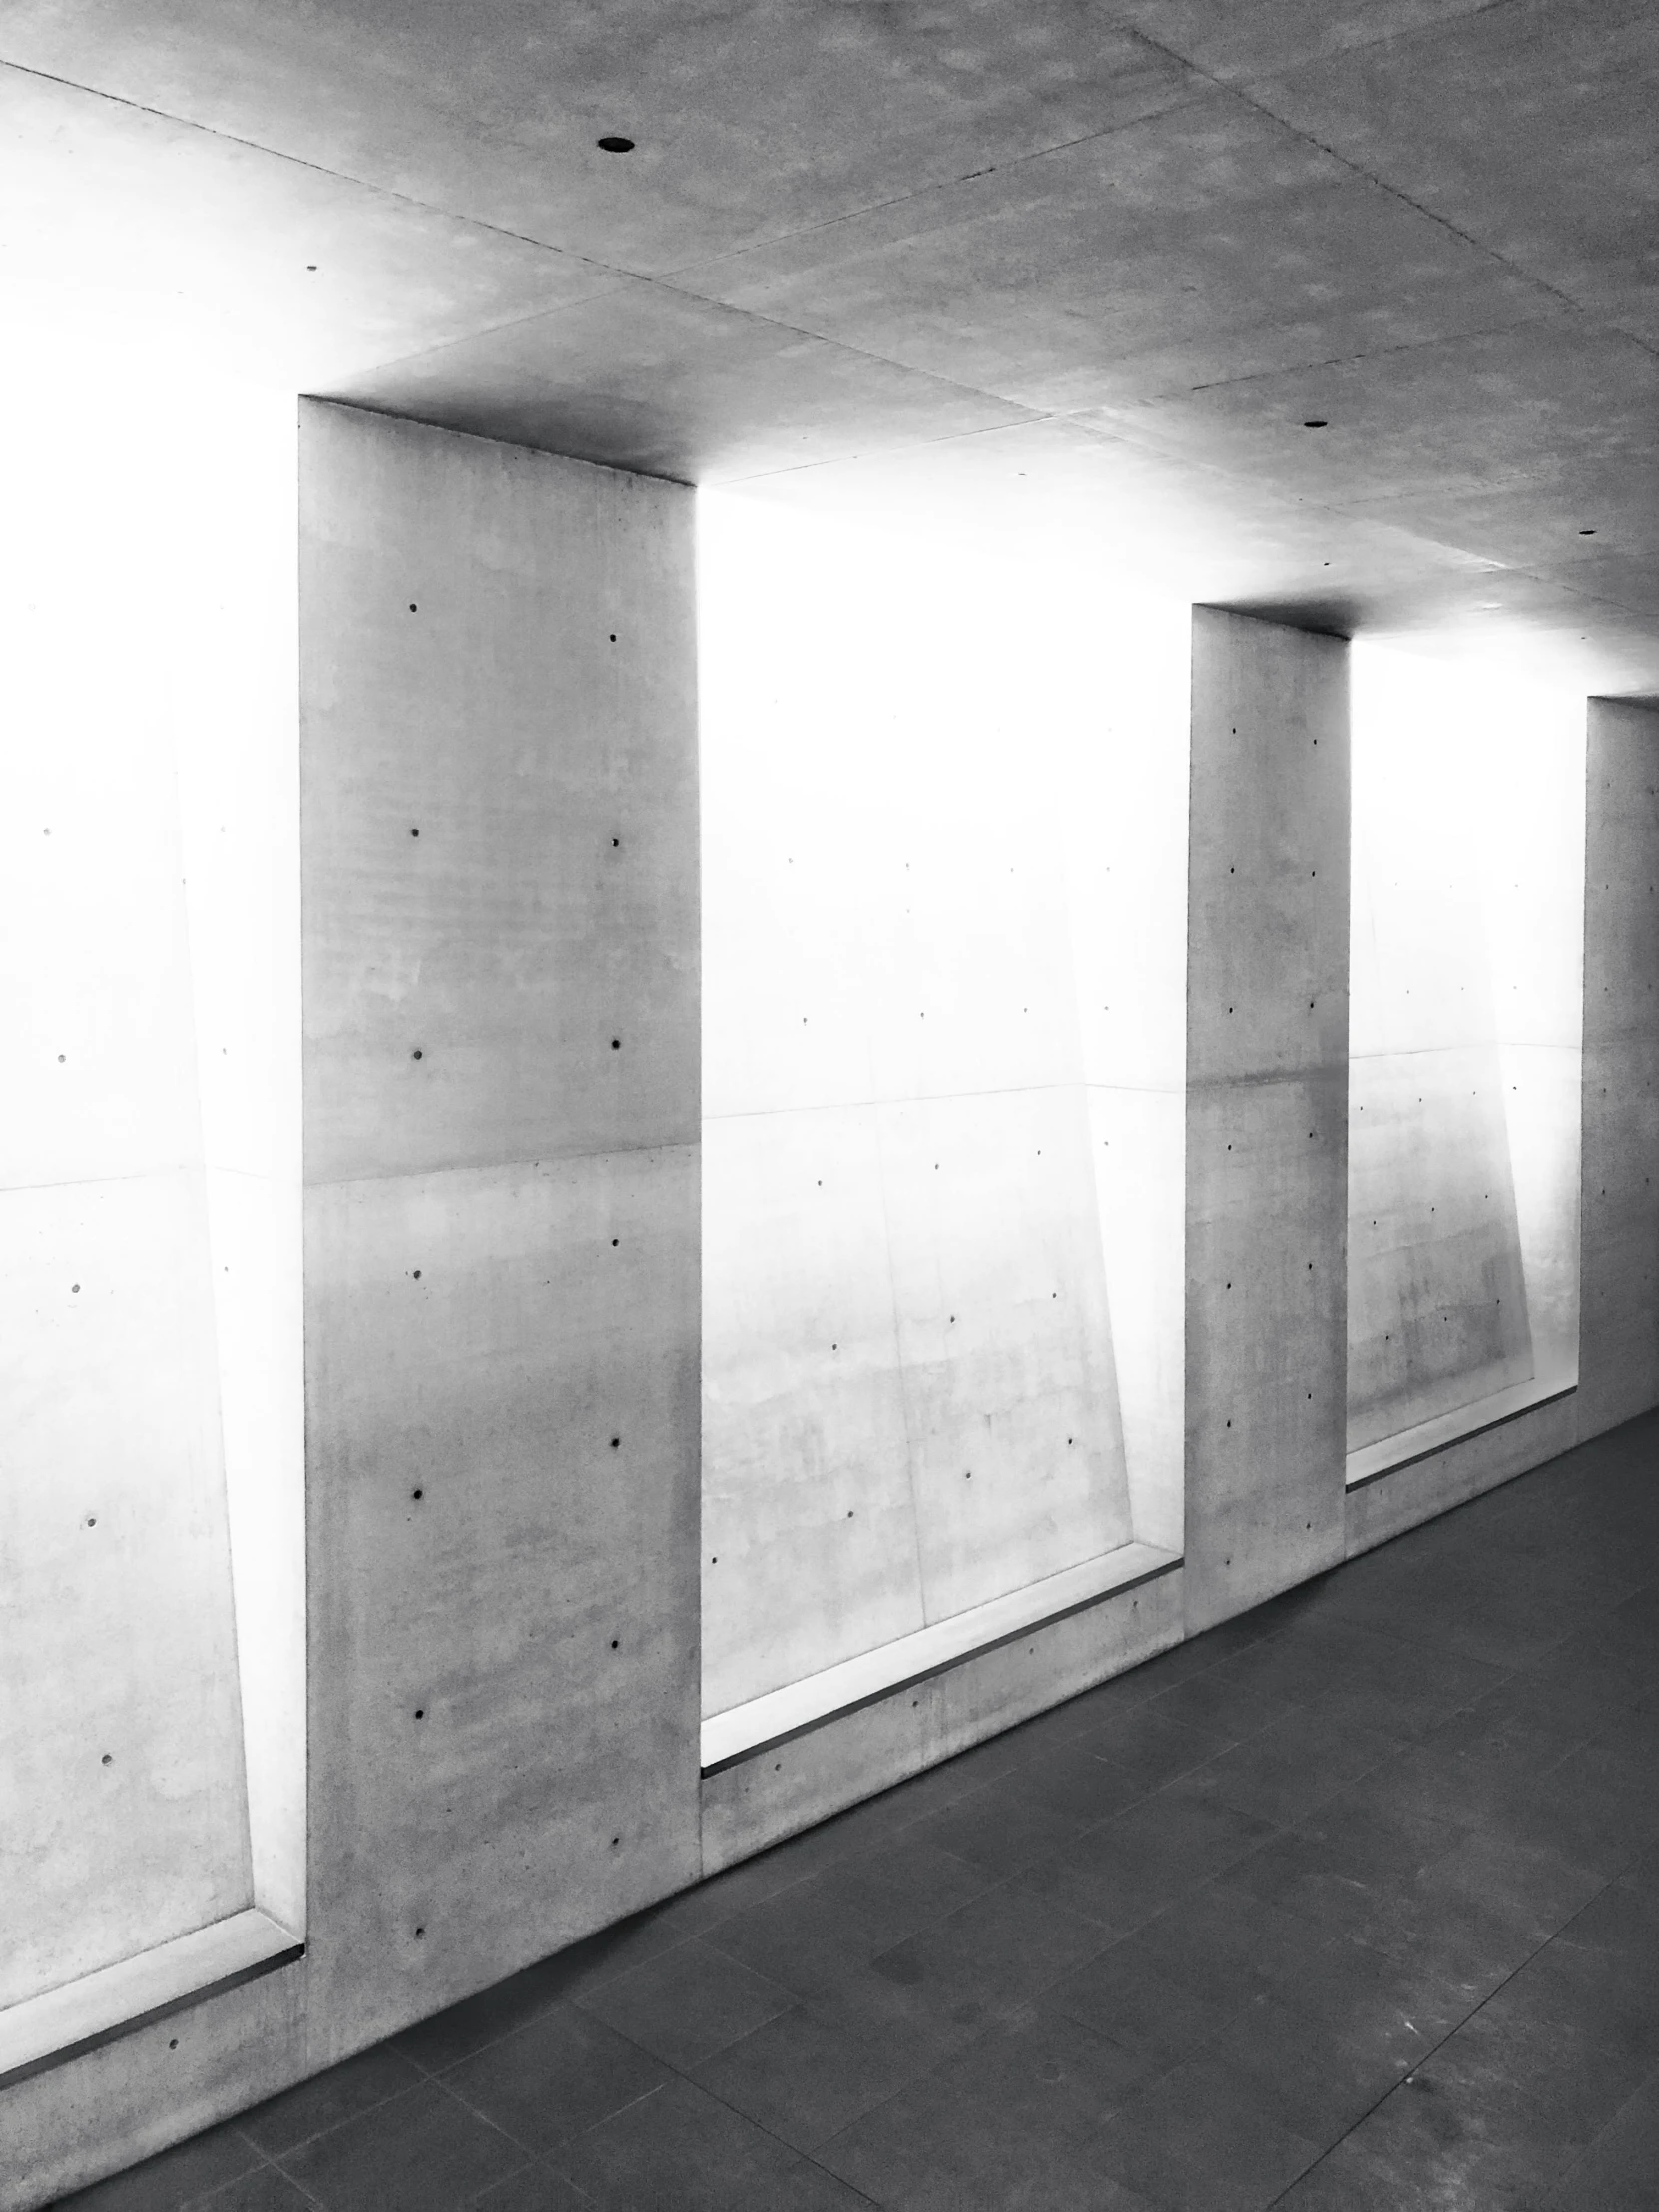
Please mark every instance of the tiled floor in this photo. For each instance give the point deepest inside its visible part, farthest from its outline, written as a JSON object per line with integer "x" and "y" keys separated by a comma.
{"x": 1353, "y": 1903}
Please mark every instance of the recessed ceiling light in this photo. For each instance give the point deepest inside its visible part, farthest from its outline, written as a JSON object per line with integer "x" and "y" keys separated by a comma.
{"x": 1315, "y": 423}
{"x": 611, "y": 144}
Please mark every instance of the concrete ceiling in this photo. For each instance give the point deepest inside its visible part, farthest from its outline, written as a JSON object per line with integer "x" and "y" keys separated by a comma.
{"x": 1078, "y": 272}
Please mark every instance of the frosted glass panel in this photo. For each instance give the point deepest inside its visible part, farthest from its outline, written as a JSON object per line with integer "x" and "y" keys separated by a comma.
{"x": 1466, "y": 1018}
{"x": 942, "y": 1067}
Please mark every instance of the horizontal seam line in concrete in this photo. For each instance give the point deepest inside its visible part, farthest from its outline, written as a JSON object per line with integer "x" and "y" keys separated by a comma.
{"x": 526, "y": 1165}
{"x": 1497, "y": 1044}
{"x": 124, "y": 1175}
{"x": 1257, "y": 1079}
{"x": 944, "y": 1098}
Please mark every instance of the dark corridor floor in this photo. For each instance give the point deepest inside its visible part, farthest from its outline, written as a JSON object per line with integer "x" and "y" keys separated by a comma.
{"x": 1353, "y": 1903}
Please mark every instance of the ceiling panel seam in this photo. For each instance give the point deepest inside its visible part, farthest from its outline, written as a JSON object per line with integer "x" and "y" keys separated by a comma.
{"x": 317, "y": 169}
{"x": 1358, "y": 169}
{"x": 921, "y": 192}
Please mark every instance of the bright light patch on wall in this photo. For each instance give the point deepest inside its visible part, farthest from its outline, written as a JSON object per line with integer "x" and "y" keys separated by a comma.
{"x": 1465, "y": 1028}
{"x": 945, "y": 883}
{"x": 151, "y": 1739}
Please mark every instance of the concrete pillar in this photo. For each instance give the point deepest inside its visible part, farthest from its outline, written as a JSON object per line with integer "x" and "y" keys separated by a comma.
{"x": 1619, "y": 1232}
{"x": 1267, "y": 1111}
{"x": 500, "y": 972}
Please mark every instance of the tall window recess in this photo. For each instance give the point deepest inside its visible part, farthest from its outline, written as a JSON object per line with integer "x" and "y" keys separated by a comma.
{"x": 1465, "y": 1050}
{"x": 152, "y": 1737}
{"x": 944, "y": 905}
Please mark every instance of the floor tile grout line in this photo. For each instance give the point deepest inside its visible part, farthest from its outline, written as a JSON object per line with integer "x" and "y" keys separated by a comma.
{"x": 1430, "y": 2054}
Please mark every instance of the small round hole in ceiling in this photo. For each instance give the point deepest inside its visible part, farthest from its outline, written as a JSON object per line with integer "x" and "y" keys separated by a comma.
{"x": 1315, "y": 423}
{"x": 612, "y": 143}
{"x": 1586, "y": 533}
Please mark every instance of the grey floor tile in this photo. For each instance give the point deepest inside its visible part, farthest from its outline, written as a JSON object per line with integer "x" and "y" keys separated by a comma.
{"x": 1313, "y": 2079}
{"x": 1348, "y": 2179}
{"x": 1408, "y": 1688}
{"x": 1198, "y": 2140}
{"x": 1293, "y": 1766}
{"x": 1150, "y": 1746}
{"x": 263, "y": 2190}
{"x": 476, "y": 2023}
{"x": 810, "y": 2074}
{"x": 172, "y": 2179}
{"x": 1128, "y": 1869}
{"x": 537, "y": 2188}
{"x": 1005, "y": 1826}
{"x": 683, "y": 2148}
{"x": 1574, "y": 2048}
{"x": 423, "y": 2153}
{"x": 1048, "y": 2181}
{"x": 1085, "y": 1790}
{"x": 1616, "y": 2172}
{"x": 1235, "y": 1700}
{"x": 326, "y": 2099}
{"x": 995, "y": 1953}
{"x": 687, "y": 2005}
{"x": 1352, "y": 1988}
{"x": 1153, "y": 1997}
{"x": 559, "y": 2074}
{"x": 1036, "y": 2085}
{"x": 810, "y": 1938}
{"x": 1432, "y": 2144}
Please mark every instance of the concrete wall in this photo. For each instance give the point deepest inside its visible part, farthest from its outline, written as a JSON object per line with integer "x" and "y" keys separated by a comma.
{"x": 135, "y": 572}
{"x": 1465, "y": 1014}
{"x": 918, "y": 772}
{"x": 1619, "y": 1359}
{"x": 1617, "y": 1250}
{"x": 1267, "y": 1111}
{"x": 500, "y": 1262}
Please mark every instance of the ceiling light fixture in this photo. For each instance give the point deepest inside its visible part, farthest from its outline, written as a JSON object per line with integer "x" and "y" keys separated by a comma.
{"x": 611, "y": 144}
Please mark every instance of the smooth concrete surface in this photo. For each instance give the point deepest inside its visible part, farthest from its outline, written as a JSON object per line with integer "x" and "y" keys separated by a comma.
{"x": 1109, "y": 260}
{"x": 1619, "y": 1371}
{"x": 1267, "y": 1111}
{"x": 1464, "y": 1047}
{"x": 121, "y": 1766}
{"x": 501, "y": 1263}
{"x": 917, "y": 782}
{"x": 500, "y": 992}
{"x": 235, "y": 710}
